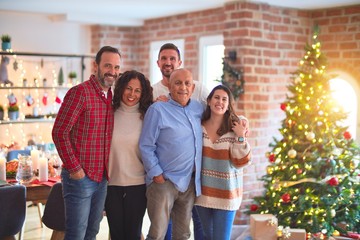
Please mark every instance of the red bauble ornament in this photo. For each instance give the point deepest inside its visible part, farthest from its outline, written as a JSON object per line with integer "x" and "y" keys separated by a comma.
{"x": 272, "y": 158}
{"x": 286, "y": 198}
{"x": 334, "y": 181}
{"x": 347, "y": 135}
{"x": 299, "y": 171}
{"x": 283, "y": 106}
{"x": 254, "y": 207}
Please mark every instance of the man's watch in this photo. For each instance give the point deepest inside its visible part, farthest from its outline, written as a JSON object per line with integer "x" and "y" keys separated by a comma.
{"x": 241, "y": 139}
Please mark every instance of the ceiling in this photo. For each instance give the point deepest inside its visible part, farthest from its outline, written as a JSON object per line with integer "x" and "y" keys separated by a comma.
{"x": 134, "y": 12}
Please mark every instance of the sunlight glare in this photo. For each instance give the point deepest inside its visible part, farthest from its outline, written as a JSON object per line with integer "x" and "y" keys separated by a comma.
{"x": 345, "y": 95}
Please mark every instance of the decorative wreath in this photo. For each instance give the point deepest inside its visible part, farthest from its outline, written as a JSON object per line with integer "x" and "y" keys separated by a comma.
{"x": 233, "y": 79}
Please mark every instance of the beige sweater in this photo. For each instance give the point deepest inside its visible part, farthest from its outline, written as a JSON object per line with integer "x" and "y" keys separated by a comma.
{"x": 125, "y": 165}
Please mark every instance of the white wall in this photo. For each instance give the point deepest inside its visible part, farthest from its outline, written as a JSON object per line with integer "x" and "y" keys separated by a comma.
{"x": 38, "y": 34}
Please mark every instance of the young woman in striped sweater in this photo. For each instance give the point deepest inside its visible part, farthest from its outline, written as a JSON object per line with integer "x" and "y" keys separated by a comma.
{"x": 225, "y": 153}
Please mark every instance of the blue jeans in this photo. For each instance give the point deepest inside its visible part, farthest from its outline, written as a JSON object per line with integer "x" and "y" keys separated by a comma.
{"x": 216, "y": 223}
{"x": 198, "y": 231}
{"x": 84, "y": 205}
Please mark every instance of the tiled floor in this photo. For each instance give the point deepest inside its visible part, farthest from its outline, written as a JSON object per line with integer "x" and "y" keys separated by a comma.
{"x": 34, "y": 231}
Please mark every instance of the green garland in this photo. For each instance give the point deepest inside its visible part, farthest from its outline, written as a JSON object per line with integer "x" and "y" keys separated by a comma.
{"x": 233, "y": 79}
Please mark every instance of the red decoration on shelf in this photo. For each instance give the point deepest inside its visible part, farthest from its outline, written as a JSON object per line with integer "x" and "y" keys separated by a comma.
{"x": 347, "y": 135}
{"x": 272, "y": 158}
{"x": 283, "y": 106}
{"x": 286, "y": 198}
{"x": 12, "y": 99}
{"x": 58, "y": 100}
{"x": 44, "y": 99}
{"x": 29, "y": 100}
{"x": 334, "y": 181}
{"x": 254, "y": 207}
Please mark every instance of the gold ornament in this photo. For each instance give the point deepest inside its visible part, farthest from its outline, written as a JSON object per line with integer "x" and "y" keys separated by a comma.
{"x": 354, "y": 163}
{"x": 310, "y": 136}
{"x": 292, "y": 153}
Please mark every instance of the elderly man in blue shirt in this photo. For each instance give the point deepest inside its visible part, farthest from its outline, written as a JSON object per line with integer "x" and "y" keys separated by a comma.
{"x": 170, "y": 145}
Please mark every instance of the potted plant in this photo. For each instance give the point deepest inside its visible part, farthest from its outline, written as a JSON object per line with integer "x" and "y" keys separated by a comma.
{"x": 13, "y": 112}
{"x": 6, "y": 42}
{"x": 72, "y": 75}
{"x": 1, "y": 112}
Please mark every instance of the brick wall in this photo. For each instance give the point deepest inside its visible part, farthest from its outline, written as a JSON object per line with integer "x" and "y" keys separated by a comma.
{"x": 124, "y": 38}
{"x": 340, "y": 37}
{"x": 269, "y": 42}
{"x": 190, "y": 26}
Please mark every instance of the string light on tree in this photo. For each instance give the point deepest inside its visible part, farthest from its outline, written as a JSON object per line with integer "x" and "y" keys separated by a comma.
{"x": 313, "y": 178}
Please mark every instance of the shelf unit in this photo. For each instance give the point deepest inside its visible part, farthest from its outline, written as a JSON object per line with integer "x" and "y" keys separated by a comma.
{"x": 7, "y": 88}
{"x": 47, "y": 63}
{"x": 82, "y": 57}
{"x": 28, "y": 120}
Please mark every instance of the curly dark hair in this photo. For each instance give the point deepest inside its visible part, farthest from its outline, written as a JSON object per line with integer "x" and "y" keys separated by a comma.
{"x": 146, "y": 98}
{"x": 229, "y": 116}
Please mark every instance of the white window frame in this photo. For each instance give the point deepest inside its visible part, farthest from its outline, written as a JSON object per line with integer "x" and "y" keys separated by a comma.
{"x": 204, "y": 42}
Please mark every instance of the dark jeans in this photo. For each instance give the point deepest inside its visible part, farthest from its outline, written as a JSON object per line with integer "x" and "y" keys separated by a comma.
{"x": 125, "y": 209}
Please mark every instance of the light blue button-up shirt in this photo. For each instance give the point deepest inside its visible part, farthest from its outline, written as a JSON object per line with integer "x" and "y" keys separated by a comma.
{"x": 171, "y": 143}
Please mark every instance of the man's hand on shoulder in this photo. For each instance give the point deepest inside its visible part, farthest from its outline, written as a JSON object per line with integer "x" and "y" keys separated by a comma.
{"x": 162, "y": 98}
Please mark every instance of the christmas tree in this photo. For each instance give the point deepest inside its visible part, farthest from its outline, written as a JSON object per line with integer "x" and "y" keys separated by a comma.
{"x": 312, "y": 181}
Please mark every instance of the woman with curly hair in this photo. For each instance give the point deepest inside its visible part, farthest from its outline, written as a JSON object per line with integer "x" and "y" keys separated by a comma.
{"x": 126, "y": 201}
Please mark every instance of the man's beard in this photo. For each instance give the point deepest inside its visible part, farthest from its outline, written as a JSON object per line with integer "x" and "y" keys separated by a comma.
{"x": 167, "y": 73}
{"x": 102, "y": 79}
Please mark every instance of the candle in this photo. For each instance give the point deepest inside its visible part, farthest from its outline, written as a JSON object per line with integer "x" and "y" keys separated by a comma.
{"x": 2, "y": 169}
{"x": 35, "y": 159}
{"x": 43, "y": 169}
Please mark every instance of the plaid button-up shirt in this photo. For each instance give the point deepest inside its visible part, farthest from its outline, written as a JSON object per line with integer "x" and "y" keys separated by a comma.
{"x": 83, "y": 129}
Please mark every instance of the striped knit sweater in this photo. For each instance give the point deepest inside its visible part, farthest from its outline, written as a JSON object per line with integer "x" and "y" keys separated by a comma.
{"x": 221, "y": 172}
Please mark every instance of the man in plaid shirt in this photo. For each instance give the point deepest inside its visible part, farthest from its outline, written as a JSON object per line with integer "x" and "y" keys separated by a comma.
{"x": 82, "y": 134}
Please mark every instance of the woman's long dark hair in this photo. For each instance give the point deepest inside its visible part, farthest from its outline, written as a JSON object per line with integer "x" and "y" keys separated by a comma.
{"x": 146, "y": 98}
{"x": 229, "y": 116}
